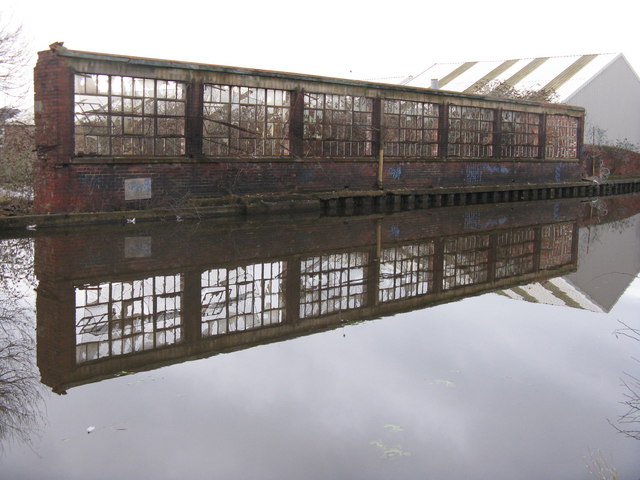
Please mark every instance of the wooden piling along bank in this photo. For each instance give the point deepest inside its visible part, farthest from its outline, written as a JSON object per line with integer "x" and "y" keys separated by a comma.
{"x": 117, "y": 133}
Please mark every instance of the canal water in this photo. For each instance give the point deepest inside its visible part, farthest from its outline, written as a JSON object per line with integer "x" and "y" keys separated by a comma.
{"x": 494, "y": 341}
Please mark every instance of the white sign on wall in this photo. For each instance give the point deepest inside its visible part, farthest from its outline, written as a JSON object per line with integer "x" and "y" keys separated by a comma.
{"x": 137, "y": 188}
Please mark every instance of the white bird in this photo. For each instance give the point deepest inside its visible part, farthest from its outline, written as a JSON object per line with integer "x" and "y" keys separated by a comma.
{"x": 31, "y": 227}
{"x": 131, "y": 220}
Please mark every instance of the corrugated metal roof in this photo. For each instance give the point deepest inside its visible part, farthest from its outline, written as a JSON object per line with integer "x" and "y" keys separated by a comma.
{"x": 563, "y": 75}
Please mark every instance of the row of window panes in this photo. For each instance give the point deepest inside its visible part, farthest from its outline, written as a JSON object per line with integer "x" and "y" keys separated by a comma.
{"x": 411, "y": 128}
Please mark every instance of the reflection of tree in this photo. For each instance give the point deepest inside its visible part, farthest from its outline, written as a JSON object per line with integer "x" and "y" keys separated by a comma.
{"x": 20, "y": 395}
{"x": 629, "y": 422}
{"x": 16, "y": 264}
{"x": 20, "y": 388}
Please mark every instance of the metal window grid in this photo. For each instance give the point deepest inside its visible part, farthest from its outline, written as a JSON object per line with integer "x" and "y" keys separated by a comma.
{"x": 562, "y": 136}
{"x": 406, "y": 271}
{"x": 465, "y": 261}
{"x": 337, "y": 125}
{"x": 121, "y": 116}
{"x": 332, "y": 283}
{"x": 121, "y": 318}
{"x": 410, "y": 129}
{"x": 242, "y": 298}
{"x": 556, "y": 245}
{"x": 515, "y": 253}
{"x": 470, "y": 132}
{"x": 248, "y": 121}
{"x": 520, "y": 134}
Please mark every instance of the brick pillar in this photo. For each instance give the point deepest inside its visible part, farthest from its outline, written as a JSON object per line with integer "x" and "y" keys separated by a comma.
{"x": 54, "y": 118}
{"x": 193, "y": 128}
{"x": 296, "y": 124}
{"x": 443, "y": 130}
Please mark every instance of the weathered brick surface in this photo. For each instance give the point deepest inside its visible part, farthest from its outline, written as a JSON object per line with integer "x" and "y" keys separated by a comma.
{"x": 619, "y": 161}
{"x": 65, "y": 183}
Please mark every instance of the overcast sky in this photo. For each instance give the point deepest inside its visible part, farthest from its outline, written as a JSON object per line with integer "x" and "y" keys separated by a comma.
{"x": 345, "y": 38}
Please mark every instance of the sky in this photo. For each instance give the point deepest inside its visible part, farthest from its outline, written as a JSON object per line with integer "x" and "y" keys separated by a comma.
{"x": 341, "y": 38}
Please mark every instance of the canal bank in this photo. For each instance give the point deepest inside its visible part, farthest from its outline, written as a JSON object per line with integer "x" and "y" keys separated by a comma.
{"x": 345, "y": 202}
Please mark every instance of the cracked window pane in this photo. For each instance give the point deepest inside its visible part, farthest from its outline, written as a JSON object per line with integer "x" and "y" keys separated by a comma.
{"x": 121, "y": 116}
{"x": 245, "y": 121}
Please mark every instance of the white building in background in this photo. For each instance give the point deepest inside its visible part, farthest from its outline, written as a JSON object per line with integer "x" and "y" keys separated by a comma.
{"x": 604, "y": 84}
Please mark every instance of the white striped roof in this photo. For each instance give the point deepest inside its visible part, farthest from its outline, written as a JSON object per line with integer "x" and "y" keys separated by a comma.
{"x": 566, "y": 75}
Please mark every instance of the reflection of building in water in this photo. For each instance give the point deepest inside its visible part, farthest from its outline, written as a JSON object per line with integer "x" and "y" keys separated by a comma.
{"x": 556, "y": 291}
{"x": 256, "y": 285}
{"x": 609, "y": 261}
{"x": 406, "y": 271}
{"x": 332, "y": 283}
{"x": 120, "y": 318}
{"x": 242, "y": 298}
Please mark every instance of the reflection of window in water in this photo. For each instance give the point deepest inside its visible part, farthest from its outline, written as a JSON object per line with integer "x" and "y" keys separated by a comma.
{"x": 406, "y": 271}
{"x": 466, "y": 261}
{"x": 515, "y": 252}
{"x": 556, "y": 245}
{"x": 119, "y": 318}
{"x": 332, "y": 283}
{"x": 242, "y": 298}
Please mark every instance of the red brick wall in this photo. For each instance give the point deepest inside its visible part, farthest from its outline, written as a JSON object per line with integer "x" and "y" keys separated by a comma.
{"x": 63, "y": 184}
{"x": 619, "y": 161}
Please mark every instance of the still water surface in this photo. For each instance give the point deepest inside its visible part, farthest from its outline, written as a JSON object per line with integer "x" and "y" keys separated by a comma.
{"x": 491, "y": 342}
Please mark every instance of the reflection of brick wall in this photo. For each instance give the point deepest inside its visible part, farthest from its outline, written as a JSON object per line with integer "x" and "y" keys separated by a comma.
{"x": 344, "y": 249}
{"x": 56, "y": 350}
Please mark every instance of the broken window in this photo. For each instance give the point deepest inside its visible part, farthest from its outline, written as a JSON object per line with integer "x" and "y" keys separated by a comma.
{"x": 562, "y": 136}
{"x": 337, "y": 125}
{"x": 515, "y": 253}
{"x": 245, "y": 121}
{"x": 120, "y": 318}
{"x": 332, "y": 283}
{"x": 121, "y": 116}
{"x": 470, "y": 132}
{"x": 410, "y": 129}
{"x": 520, "y": 134}
{"x": 406, "y": 271}
{"x": 242, "y": 298}
{"x": 466, "y": 261}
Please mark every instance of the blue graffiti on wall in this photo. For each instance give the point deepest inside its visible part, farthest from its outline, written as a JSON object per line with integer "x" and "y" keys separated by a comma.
{"x": 558, "y": 175}
{"x": 395, "y": 172}
{"x": 473, "y": 174}
{"x": 496, "y": 169}
{"x": 394, "y": 231}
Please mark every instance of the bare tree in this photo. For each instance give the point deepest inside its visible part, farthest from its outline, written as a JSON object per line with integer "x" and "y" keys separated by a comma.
{"x": 13, "y": 60}
{"x": 16, "y": 137}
